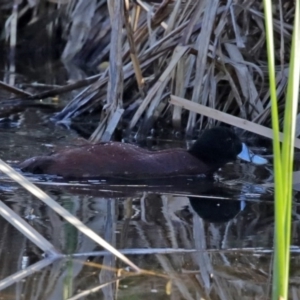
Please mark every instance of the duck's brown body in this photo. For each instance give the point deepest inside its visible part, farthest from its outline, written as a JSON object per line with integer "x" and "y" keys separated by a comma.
{"x": 115, "y": 159}
{"x": 214, "y": 148}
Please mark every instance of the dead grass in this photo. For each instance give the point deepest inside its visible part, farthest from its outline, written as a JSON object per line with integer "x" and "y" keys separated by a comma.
{"x": 211, "y": 52}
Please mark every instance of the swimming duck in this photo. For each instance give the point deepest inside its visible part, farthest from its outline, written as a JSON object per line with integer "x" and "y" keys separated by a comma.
{"x": 214, "y": 148}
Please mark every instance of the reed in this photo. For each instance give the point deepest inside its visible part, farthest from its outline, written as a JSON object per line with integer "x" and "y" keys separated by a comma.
{"x": 284, "y": 155}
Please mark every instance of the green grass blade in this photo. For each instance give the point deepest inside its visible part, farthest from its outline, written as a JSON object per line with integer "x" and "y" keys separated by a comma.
{"x": 279, "y": 258}
{"x": 289, "y": 134}
{"x": 283, "y": 160}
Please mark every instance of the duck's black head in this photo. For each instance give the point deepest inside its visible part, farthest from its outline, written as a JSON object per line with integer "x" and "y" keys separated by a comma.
{"x": 217, "y": 146}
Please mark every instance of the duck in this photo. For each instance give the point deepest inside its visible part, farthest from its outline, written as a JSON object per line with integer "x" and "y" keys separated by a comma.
{"x": 213, "y": 149}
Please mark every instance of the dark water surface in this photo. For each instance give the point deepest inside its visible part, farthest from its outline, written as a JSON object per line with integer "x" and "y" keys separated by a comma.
{"x": 199, "y": 239}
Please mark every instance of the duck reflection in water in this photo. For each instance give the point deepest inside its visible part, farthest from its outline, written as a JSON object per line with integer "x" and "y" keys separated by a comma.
{"x": 217, "y": 206}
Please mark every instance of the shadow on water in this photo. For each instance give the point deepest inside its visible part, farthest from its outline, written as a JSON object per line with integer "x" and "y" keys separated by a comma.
{"x": 199, "y": 238}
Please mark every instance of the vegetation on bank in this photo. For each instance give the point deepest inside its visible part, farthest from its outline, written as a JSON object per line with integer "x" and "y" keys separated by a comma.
{"x": 158, "y": 49}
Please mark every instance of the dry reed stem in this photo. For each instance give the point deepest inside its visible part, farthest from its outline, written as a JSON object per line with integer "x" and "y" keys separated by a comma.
{"x": 227, "y": 118}
{"x": 133, "y": 52}
{"x": 18, "y": 276}
{"x": 226, "y": 71}
{"x": 178, "y": 86}
{"x": 81, "y": 25}
{"x": 34, "y": 190}
{"x": 136, "y": 16}
{"x": 147, "y": 8}
{"x": 157, "y": 85}
{"x": 13, "y": 89}
{"x": 173, "y": 18}
{"x": 95, "y": 289}
{"x": 13, "y": 29}
{"x": 202, "y": 44}
{"x": 245, "y": 80}
{"x": 27, "y": 230}
{"x": 115, "y": 83}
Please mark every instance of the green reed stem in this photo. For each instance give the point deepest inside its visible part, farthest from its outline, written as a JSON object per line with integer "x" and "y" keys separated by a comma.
{"x": 283, "y": 160}
{"x": 290, "y": 116}
{"x": 279, "y": 238}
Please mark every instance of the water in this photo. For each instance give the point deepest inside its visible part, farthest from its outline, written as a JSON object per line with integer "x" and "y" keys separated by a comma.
{"x": 193, "y": 237}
